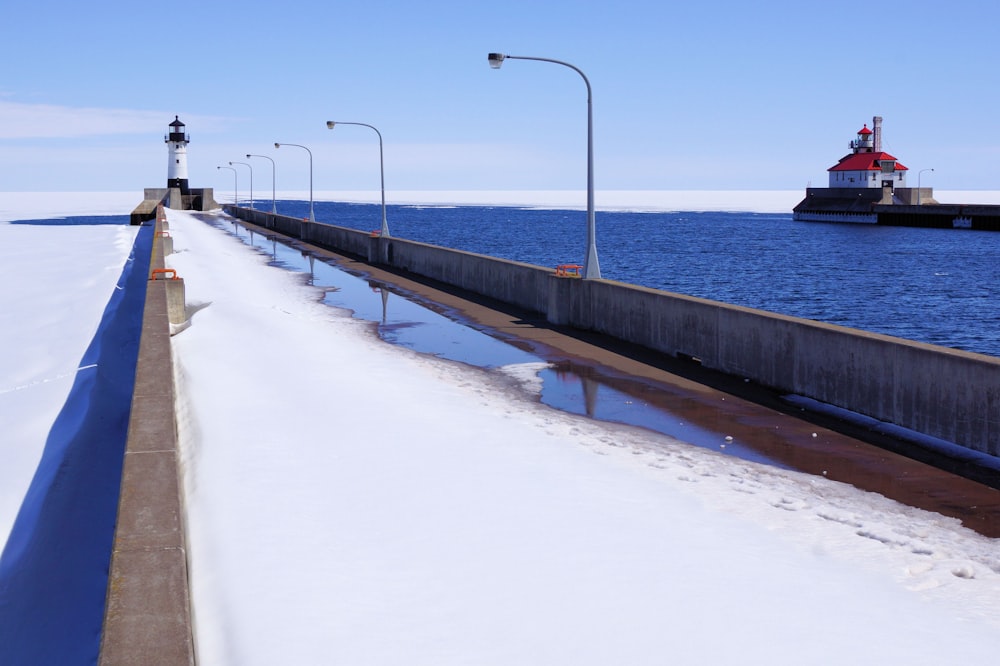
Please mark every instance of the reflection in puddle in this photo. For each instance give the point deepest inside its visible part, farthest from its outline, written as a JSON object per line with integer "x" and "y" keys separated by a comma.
{"x": 582, "y": 390}
{"x": 403, "y": 319}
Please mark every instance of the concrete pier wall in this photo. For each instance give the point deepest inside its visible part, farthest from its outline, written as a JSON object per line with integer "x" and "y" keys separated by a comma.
{"x": 148, "y": 610}
{"x": 937, "y": 391}
{"x": 195, "y": 199}
{"x": 522, "y": 285}
{"x": 940, "y": 392}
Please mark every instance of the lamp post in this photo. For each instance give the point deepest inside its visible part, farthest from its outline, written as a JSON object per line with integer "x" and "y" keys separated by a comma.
{"x": 251, "y": 180}
{"x": 920, "y": 196}
{"x": 274, "y": 203}
{"x": 312, "y": 217}
{"x": 381, "y": 164}
{"x": 591, "y": 267}
{"x": 236, "y": 184}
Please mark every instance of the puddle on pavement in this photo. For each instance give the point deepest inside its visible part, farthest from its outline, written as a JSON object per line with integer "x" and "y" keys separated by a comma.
{"x": 401, "y": 318}
{"x": 708, "y": 420}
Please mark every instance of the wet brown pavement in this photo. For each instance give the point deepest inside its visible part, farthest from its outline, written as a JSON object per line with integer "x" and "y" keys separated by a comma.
{"x": 757, "y": 418}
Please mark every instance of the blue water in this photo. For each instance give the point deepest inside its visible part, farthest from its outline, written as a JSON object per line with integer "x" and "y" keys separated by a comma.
{"x": 939, "y": 286}
{"x": 82, "y": 220}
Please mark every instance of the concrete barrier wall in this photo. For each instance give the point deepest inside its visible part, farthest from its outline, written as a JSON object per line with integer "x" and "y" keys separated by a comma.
{"x": 523, "y": 285}
{"x": 148, "y": 610}
{"x": 352, "y": 241}
{"x": 940, "y": 392}
{"x": 519, "y": 284}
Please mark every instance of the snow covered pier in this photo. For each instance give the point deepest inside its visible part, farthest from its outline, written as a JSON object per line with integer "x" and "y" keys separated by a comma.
{"x": 413, "y": 541}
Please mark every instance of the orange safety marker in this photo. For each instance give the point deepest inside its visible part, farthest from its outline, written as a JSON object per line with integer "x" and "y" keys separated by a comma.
{"x": 161, "y": 274}
{"x": 375, "y": 233}
{"x": 164, "y": 234}
{"x": 568, "y": 270}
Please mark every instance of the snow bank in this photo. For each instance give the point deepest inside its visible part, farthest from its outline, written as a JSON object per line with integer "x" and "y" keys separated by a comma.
{"x": 47, "y": 205}
{"x": 56, "y": 281}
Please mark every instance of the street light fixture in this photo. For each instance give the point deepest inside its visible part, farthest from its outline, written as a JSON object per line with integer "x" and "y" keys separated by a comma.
{"x": 274, "y": 203}
{"x": 251, "y": 180}
{"x": 591, "y": 266}
{"x": 312, "y": 217}
{"x": 236, "y": 184}
{"x": 920, "y": 196}
{"x": 381, "y": 163}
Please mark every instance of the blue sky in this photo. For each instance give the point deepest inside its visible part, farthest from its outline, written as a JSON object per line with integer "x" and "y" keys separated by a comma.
{"x": 692, "y": 95}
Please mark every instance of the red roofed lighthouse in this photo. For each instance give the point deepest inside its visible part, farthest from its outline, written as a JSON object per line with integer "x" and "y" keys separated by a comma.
{"x": 867, "y": 165}
{"x": 868, "y": 186}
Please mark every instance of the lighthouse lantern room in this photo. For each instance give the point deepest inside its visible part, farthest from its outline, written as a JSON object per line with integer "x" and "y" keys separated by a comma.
{"x": 177, "y": 171}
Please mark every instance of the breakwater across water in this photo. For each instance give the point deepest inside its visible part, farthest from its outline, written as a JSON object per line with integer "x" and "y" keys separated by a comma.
{"x": 936, "y": 286}
{"x": 936, "y": 392}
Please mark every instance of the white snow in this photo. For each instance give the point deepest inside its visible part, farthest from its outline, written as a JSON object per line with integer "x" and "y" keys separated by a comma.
{"x": 56, "y": 281}
{"x": 48, "y": 205}
{"x": 352, "y": 502}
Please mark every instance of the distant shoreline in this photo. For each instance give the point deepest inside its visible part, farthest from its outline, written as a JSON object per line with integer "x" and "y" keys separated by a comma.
{"x": 41, "y": 205}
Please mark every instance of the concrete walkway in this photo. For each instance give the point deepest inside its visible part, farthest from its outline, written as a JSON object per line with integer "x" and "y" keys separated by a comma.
{"x": 148, "y": 612}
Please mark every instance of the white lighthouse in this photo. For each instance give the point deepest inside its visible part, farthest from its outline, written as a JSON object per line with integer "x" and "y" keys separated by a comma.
{"x": 177, "y": 168}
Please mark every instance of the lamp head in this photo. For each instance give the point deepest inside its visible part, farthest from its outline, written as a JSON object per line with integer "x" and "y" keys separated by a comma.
{"x": 277, "y": 145}
{"x": 496, "y": 59}
{"x": 330, "y": 124}
{"x": 248, "y": 155}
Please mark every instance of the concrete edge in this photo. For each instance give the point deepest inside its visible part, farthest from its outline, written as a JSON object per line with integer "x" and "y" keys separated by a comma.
{"x": 148, "y": 609}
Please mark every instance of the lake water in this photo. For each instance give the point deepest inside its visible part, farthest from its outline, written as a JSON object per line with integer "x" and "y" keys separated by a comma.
{"x": 939, "y": 286}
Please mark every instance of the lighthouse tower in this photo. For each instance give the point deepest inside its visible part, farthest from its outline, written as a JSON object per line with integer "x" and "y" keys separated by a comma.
{"x": 177, "y": 168}
{"x": 176, "y": 195}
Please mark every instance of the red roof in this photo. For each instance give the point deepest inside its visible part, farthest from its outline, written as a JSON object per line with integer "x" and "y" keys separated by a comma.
{"x": 865, "y": 130}
{"x": 864, "y": 162}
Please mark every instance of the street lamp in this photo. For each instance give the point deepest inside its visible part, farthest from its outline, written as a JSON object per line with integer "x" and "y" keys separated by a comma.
{"x": 381, "y": 163}
{"x": 312, "y": 217}
{"x": 274, "y": 203}
{"x": 920, "y": 197}
{"x": 251, "y": 180}
{"x": 591, "y": 267}
{"x": 236, "y": 184}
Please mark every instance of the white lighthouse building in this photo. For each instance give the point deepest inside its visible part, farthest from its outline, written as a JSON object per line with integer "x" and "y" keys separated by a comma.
{"x": 177, "y": 194}
{"x": 177, "y": 169}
